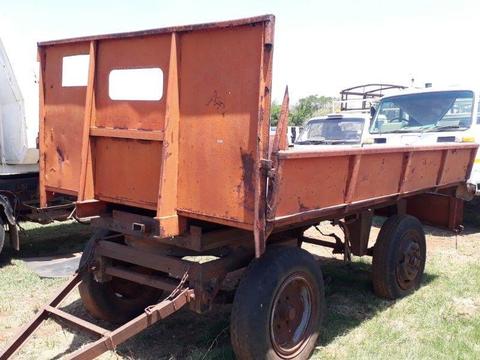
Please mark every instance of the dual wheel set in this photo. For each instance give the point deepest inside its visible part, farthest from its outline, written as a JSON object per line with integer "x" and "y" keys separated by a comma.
{"x": 280, "y": 304}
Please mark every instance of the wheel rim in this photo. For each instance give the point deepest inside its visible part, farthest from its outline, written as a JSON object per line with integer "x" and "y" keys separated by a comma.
{"x": 292, "y": 314}
{"x": 409, "y": 262}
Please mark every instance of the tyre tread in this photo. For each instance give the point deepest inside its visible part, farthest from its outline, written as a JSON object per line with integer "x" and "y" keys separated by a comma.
{"x": 245, "y": 344}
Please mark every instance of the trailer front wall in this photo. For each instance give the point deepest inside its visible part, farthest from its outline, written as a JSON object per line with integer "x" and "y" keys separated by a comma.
{"x": 219, "y": 110}
{"x": 194, "y": 151}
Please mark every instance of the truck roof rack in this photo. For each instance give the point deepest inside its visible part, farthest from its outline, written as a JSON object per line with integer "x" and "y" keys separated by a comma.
{"x": 364, "y": 93}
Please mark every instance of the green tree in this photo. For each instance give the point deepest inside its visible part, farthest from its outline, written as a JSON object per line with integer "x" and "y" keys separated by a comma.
{"x": 275, "y": 113}
{"x": 303, "y": 110}
{"x": 310, "y": 106}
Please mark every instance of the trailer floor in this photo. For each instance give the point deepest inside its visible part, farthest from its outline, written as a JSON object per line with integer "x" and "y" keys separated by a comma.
{"x": 441, "y": 320}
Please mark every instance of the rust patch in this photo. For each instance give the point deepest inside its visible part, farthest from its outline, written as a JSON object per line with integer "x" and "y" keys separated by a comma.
{"x": 248, "y": 164}
{"x": 248, "y": 168}
{"x": 301, "y": 206}
{"x": 60, "y": 154}
{"x": 217, "y": 102}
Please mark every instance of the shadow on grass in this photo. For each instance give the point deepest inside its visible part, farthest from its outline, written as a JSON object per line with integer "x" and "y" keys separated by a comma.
{"x": 182, "y": 335}
{"x": 471, "y": 226}
{"x": 471, "y": 213}
{"x": 58, "y": 238}
{"x": 350, "y": 301}
{"x": 350, "y": 298}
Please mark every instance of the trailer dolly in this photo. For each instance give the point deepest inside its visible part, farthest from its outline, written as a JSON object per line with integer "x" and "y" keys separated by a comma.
{"x": 107, "y": 340}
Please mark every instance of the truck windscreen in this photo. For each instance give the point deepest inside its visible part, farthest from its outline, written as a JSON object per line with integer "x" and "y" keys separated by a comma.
{"x": 421, "y": 112}
{"x": 332, "y": 131}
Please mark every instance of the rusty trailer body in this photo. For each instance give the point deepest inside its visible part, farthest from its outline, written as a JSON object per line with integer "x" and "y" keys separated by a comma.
{"x": 187, "y": 171}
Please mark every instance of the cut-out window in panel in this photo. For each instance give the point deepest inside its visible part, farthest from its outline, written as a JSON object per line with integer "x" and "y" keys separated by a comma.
{"x": 136, "y": 84}
{"x": 75, "y": 70}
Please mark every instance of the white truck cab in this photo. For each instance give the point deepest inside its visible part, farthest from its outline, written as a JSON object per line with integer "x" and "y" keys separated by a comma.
{"x": 335, "y": 129}
{"x": 428, "y": 116}
{"x": 349, "y": 127}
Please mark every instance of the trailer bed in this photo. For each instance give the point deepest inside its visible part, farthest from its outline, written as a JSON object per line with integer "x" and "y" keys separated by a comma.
{"x": 328, "y": 181}
{"x": 201, "y": 151}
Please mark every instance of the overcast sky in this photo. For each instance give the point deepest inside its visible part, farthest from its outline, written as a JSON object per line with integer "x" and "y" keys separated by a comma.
{"x": 320, "y": 46}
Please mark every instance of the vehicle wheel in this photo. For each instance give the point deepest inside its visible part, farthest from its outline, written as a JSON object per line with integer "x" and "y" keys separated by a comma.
{"x": 2, "y": 235}
{"x": 399, "y": 257}
{"x": 117, "y": 300}
{"x": 278, "y": 307}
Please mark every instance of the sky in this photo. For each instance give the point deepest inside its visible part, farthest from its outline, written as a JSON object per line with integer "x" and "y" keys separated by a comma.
{"x": 320, "y": 48}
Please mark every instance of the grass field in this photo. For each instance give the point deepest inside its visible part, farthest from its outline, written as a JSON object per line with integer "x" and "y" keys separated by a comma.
{"x": 440, "y": 321}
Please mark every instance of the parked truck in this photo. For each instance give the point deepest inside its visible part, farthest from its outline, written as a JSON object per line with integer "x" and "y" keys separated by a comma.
{"x": 349, "y": 126}
{"x": 18, "y": 162}
{"x": 429, "y": 116}
{"x": 19, "y": 165}
{"x": 162, "y": 193}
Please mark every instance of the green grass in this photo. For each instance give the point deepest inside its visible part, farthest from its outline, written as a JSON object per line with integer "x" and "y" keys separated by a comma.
{"x": 440, "y": 321}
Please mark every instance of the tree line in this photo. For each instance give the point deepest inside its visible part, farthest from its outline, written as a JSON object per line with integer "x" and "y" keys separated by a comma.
{"x": 304, "y": 109}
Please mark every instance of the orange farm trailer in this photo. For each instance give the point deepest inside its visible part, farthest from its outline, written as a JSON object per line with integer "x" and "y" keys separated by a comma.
{"x": 163, "y": 137}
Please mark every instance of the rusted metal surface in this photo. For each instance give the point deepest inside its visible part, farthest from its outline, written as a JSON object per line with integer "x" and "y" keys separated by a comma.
{"x": 293, "y": 308}
{"x": 151, "y": 315}
{"x": 279, "y": 143}
{"x": 41, "y": 128}
{"x": 198, "y": 241}
{"x": 447, "y": 213}
{"x": 183, "y": 28}
{"x": 90, "y": 208}
{"x": 353, "y": 177}
{"x": 163, "y": 283}
{"x": 280, "y": 140}
{"x": 167, "y": 155}
{"x": 201, "y": 151}
{"x": 169, "y": 265}
{"x": 359, "y": 232}
{"x": 52, "y": 213}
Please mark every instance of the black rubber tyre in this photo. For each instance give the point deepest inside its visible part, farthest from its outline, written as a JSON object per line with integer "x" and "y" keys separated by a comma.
{"x": 2, "y": 235}
{"x": 280, "y": 294}
{"x": 116, "y": 301}
{"x": 399, "y": 257}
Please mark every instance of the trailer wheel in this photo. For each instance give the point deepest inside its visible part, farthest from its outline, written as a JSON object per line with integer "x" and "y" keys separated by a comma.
{"x": 117, "y": 300}
{"x": 278, "y": 307}
{"x": 399, "y": 257}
